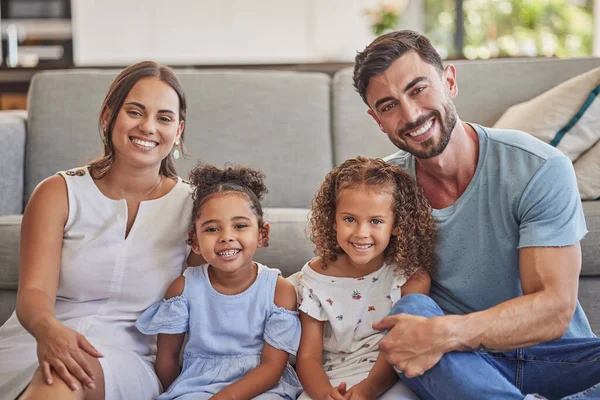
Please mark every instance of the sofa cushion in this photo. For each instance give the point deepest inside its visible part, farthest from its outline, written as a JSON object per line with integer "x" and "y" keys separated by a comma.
{"x": 567, "y": 117}
{"x": 289, "y": 244}
{"x": 587, "y": 170}
{"x": 12, "y": 161}
{"x": 590, "y": 245}
{"x": 10, "y": 240}
{"x": 8, "y": 301}
{"x": 272, "y": 120}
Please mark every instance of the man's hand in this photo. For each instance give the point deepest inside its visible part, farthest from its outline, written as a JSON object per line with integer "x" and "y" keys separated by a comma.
{"x": 414, "y": 344}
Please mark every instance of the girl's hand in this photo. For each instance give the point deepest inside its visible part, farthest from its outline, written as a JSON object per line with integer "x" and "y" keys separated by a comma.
{"x": 361, "y": 391}
{"x": 337, "y": 393}
{"x": 62, "y": 349}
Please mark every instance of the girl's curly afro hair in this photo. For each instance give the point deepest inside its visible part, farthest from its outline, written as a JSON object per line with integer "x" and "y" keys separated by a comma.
{"x": 207, "y": 180}
{"x": 412, "y": 248}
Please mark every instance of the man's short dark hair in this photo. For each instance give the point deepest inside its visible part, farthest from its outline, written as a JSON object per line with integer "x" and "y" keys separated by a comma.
{"x": 377, "y": 57}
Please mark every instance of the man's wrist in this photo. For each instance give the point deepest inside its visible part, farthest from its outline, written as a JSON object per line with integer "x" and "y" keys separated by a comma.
{"x": 461, "y": 335}
{"x": 451, "y": 328}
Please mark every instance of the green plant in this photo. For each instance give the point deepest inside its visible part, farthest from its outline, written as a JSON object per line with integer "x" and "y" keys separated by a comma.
{"x": 508, "y": 28}
{"x": 385, "y": 17}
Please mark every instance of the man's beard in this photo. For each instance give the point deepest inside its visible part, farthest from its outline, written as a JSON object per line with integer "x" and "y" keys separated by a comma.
{"x": 428, "y": 148}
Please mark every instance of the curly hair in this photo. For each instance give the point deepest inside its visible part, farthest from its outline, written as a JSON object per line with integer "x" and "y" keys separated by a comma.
{"x": 412, "y": 248}
{"x": 208, "y": 180}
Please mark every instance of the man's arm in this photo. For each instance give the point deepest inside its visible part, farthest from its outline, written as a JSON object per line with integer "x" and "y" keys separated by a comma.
{"x": 549, "y": 279}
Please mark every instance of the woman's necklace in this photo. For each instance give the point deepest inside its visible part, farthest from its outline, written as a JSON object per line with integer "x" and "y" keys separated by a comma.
{"x": 149, "y": 194}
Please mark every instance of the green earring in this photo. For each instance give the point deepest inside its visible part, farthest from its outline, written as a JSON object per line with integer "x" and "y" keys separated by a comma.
{"x": 104, "y": 136}
{"x": 176, "y": 151}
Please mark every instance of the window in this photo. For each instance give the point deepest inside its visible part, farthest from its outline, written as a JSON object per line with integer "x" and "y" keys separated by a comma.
{"x": 510, "y": 28}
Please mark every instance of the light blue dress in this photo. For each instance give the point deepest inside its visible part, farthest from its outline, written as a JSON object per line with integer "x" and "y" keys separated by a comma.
{"x": 226, "y": 334}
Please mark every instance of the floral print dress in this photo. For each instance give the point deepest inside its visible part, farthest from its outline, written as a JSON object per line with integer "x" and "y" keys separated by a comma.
{"x": 349, "y": 307}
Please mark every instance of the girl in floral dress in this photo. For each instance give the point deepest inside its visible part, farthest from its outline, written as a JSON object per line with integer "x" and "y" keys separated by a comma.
{"x": 374, "y": 236}
{"x": 240, "y": 315}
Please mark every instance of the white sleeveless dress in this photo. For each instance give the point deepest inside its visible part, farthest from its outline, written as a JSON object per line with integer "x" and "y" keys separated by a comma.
{"x": 106, "y": 281}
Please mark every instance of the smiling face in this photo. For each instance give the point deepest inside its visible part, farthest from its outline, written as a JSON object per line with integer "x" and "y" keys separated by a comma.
{"x": 413, "y": 105}
{"x": 227, "y": 232}
{"x": 364, "y": 221}
{"x": 147, "y": 124}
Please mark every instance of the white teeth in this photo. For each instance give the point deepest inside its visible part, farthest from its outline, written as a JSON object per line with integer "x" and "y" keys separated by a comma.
{"x": 361, "y": 246}
{"x": 228, "y": 253}
{"x": 422, "y": 130}
{"x": 144, "y": 143}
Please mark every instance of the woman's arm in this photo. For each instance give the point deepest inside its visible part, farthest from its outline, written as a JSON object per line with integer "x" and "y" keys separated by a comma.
{"x": 169, "y": 345}
{"x": 273, "y": 361}
{"x": 42, "y": 229}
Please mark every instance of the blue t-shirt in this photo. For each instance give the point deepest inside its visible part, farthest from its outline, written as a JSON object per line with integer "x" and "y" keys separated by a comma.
{"x": 523, "y": 194}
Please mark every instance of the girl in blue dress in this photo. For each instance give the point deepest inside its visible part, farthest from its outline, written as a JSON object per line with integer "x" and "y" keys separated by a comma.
{"x": 240, "y": 316}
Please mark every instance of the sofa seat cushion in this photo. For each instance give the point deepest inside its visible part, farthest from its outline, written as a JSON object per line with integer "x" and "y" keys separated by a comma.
{"x": 289, "y": 244}
{"x": 10, "y": 231}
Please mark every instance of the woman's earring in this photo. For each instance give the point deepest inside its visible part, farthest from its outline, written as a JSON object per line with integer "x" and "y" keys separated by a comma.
{"x": 176, "y": 151}
{"x": 104, "y": 137}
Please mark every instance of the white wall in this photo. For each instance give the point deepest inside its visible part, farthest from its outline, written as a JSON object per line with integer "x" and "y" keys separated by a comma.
{"x": 186, "y": 32}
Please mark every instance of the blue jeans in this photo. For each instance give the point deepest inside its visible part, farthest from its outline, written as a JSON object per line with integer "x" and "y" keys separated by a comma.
{"x": 563, "y": 367}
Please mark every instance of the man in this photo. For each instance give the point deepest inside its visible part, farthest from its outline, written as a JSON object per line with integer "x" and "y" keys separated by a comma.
{"x": 509, "y": 220}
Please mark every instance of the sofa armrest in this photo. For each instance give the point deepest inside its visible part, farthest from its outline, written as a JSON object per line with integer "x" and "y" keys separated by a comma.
{"x": 13, "y": 128}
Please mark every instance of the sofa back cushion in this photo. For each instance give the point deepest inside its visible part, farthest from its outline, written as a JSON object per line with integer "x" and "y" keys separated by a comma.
{"x": 485, "y": 90}
{"x": 273, "y": 120}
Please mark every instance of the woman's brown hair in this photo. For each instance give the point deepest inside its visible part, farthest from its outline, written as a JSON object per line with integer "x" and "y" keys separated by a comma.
{"x": 118, "y": 91}
{"x": 412, "y": 243}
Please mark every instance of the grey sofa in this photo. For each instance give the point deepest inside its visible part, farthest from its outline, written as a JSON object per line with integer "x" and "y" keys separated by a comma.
{"x": 294, "y": 126}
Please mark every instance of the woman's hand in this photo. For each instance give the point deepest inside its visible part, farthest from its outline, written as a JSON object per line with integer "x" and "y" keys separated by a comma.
{"x": 62, "y": 349}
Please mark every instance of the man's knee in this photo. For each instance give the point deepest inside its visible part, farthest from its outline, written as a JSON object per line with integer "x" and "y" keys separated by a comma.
{"x": 417, "y": 304}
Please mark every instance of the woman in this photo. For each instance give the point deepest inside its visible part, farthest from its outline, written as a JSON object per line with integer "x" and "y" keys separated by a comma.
{"x": 99, "y": 244}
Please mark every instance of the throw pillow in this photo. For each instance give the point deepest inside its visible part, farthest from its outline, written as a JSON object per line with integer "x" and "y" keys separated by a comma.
{"x": 587, "y": 170}
{"x": 566, "y": 116}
